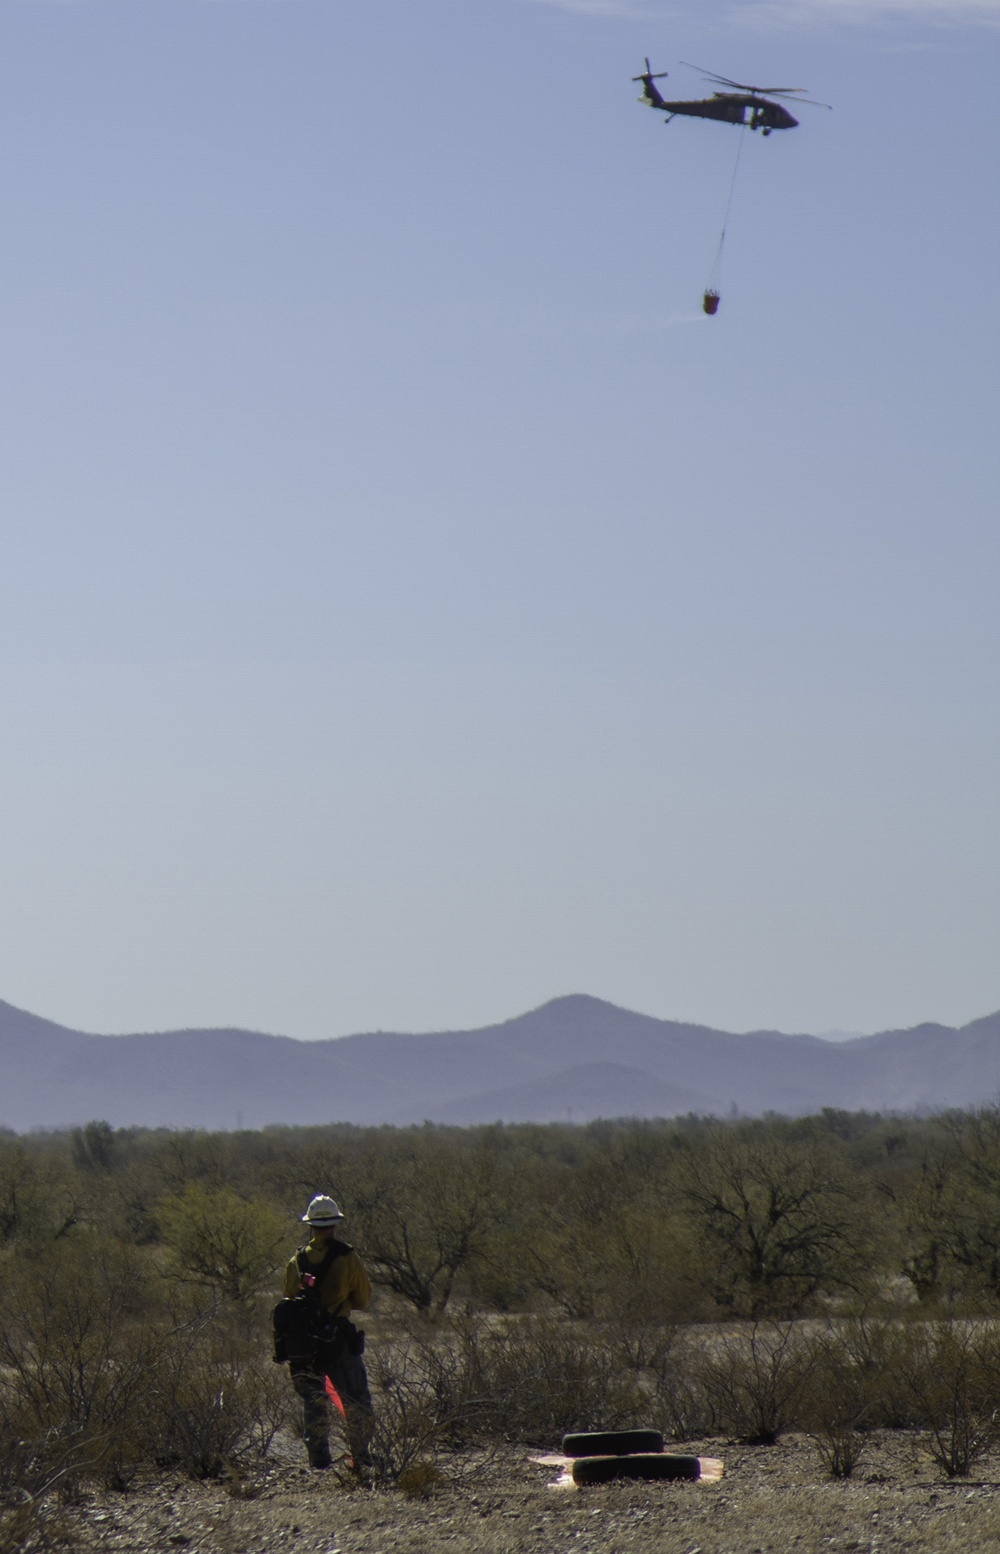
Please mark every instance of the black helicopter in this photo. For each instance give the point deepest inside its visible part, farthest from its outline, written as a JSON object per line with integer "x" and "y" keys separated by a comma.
{"x": 743, "y": 105}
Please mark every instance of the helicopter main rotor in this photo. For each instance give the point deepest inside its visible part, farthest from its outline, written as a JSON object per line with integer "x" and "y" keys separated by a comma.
{"x": 793, "y": 93}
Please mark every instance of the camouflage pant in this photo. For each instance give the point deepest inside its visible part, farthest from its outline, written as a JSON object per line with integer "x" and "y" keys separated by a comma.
{"x": 348, "y": 1374}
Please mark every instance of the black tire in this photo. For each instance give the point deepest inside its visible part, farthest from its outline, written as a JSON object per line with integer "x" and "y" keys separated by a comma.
{"x": 611, "y": 1443}
{"x": 648, "y": 1465}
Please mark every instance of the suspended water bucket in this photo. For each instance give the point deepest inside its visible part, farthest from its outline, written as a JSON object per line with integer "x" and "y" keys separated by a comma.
{"x": 710, "y": 302}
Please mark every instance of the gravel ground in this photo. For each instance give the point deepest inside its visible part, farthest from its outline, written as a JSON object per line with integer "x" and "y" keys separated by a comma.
{"x": 770, "y": 1499}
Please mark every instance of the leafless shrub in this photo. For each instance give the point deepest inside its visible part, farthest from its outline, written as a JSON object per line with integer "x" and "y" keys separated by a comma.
{"x": 473, "y": 1382}
{"x": 544, "y": 1377}
{"x": 421, "y": 1406}
{"x": 99, "y": 1377}
{"x": 876, "y": 1346}
{"x": 35, "y": 1461}
{"x": 838, "y": 1401}
{"x": 951, "y": 1371}
{"x": 33, "y": 1527}
{"x": 666, "y": 1360}
{"x": 753, "y": 1379}
{"x": 73, "y": 1365}
{"x": 683, "y": 1407}
{"x": 210, "y": 1397}
{"x": 273, "y": 1404}
{"x": 37, "y": 1466}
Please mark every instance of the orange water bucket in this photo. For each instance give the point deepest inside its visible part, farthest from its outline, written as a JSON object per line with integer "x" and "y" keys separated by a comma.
{"x": 710, "y": 302}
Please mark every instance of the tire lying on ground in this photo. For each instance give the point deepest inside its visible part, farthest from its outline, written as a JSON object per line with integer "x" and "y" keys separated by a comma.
{"x": 611, "y": 1443}
{"x": 649, "y": 1465}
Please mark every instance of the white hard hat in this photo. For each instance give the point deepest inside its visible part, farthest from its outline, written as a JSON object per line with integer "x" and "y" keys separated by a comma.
{"x": 321, "y": 1213}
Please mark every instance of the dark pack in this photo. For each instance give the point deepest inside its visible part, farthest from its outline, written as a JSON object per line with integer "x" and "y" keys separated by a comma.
{"x": 300, "y": 1323}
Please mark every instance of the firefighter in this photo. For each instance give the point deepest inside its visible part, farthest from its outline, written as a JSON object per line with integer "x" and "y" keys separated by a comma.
{"x": 332, "y": 1276}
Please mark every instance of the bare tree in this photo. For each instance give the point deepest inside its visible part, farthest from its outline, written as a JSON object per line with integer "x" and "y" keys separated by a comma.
{"x": 778, "y": 1218}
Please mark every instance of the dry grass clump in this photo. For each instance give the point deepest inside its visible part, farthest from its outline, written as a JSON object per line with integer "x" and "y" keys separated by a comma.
{"x": 816, "y": 1516}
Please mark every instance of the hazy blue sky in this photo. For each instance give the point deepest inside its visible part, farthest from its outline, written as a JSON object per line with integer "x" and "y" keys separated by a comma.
{"x": 411, "y": 606}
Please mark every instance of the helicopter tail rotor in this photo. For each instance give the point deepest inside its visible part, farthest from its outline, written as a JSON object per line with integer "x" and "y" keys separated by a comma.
{"x": 650, "y": 75}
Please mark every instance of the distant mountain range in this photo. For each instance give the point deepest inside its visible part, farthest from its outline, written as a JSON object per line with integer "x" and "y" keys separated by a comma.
{"x": 573, "y": 1059}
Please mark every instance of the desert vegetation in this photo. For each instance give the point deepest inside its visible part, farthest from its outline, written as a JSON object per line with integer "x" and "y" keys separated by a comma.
{"x": 836, "y": 1277}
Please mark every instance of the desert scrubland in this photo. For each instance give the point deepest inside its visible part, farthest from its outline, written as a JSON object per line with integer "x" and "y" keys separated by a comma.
{"x": 815, "y": 1301}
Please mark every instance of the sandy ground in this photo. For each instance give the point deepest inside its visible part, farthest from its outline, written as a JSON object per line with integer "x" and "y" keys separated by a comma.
{"x": 770, "y": 1499}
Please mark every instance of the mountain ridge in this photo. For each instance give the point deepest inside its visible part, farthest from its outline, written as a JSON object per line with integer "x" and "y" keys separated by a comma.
{"x": 575, "y": 1055}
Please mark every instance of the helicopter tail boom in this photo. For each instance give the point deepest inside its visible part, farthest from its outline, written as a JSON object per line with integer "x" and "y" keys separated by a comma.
{"x": 651, "y": 92}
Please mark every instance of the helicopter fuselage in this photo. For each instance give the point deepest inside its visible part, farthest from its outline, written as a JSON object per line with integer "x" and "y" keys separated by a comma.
{"x": 729, "y": 107}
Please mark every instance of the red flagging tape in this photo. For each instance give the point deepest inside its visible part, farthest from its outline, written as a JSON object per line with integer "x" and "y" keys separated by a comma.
{"x": 334, "y": 1397}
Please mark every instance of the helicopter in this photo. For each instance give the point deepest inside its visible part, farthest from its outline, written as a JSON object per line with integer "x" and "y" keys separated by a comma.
{"x": 748, "y": 105}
